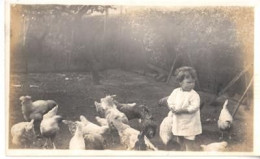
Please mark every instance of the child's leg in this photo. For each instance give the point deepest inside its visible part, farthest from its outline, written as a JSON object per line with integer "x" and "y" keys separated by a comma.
{"x": 180, "y": 140}
{"x": 189, "y": 143}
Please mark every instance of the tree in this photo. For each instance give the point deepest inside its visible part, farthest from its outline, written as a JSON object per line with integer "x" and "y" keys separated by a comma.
{"x": 39, "y": 15}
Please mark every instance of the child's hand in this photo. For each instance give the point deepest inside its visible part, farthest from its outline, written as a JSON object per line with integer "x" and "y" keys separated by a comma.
{"x": 176, "y": 111}
{"x": 179, "y": 111}
{"x": 172, "y": 109}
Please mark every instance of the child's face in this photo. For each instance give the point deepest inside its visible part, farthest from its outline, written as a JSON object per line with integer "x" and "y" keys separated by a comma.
{"x": 188, "y": 83}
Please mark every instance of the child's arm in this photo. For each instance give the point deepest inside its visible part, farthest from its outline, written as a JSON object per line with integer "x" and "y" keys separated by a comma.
{"x": 163, "y": 101}
{"x": 171, "y": 99}
{"x": 192, "y": 107}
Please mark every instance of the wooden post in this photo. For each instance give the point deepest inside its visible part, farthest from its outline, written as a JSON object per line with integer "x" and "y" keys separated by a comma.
{"x": 242, "y": 97}
{"x": 247, "y": 102}
{"x": 233, "y": 80}
{"x": 173, "y": 64}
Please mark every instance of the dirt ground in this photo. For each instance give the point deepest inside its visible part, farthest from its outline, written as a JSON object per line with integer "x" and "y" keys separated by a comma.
{"x": 75, "y": 94}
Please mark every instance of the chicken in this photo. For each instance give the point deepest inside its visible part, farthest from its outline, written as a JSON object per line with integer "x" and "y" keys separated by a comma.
{"x": 131, "y": 110}
{"x": 129, "y": 136}
{"x": 112, "y": 113}
{"x": 91, "y": 128}
{"x": 109, "y": 110}
{"x": 93, "y": 134}
{"x": 215, "y": 147}
{"x": 102, "y": 121}
{"x": 166, "y": 135}
{"x": 77, "y": 142}
{"x": 100, "y": 110}
{"x": 225, "y": 120}
{"x": 50, "y": 125}
{"x": 22, "y": 133}
{"x": 35, "y": 110}
{"x": 166, "y": 129}
{"x": 141, "y": 112}
{"x": 92, "y": 140}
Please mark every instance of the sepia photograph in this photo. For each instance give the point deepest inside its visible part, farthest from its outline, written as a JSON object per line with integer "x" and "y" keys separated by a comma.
{"x": 130, "y": 78}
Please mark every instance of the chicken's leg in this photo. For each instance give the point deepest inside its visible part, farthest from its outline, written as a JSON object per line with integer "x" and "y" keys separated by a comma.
{"x": 222, "y": 135}
{"x": 45, "y": 146}
{"x": 52, "y": 141}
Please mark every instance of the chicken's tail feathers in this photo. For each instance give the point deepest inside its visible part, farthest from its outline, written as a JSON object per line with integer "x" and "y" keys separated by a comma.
{"x": 225, "y": 104}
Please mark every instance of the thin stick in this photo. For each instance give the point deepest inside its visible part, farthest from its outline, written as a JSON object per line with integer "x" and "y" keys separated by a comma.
{"x": 173, "y": 64}
{"x": 241, "y": 99}
{"x": 247, "y": 95}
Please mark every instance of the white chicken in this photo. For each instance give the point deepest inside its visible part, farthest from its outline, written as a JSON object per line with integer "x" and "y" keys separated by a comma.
{"x": 22, "y": 133}
{"x": 129, "y": 136}
{"x": 108, "y": 109}
{"x": 93, "y": 134}
{"x": 225, "y": 120}
{"x": 166, "y": 129}
{"x": 102, "y": 121}
{"x": 50, "y": 125}
{"x": 91, "y": 128}
{"x": 215, "y": 147}
{"x": 100, "y": 110}
{"x": 77, "y": 142}
{"x": 92, "y": 140}
{"x": 169, "y": 140}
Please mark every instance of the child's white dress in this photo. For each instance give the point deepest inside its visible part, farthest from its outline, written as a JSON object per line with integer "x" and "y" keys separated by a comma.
{"x": 188, "y": 124}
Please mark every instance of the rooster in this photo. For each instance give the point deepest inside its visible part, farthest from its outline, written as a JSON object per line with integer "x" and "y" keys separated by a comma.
{"x": 50, "y": 125}
{"x": 35, "y": 110}
{"x": 225, "y": 120}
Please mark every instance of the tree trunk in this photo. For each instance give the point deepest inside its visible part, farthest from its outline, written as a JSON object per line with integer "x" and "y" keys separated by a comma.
{"x": 94, "y": 69}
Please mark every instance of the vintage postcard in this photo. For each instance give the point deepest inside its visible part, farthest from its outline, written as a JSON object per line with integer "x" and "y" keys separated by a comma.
{"x": 131, "y": 79}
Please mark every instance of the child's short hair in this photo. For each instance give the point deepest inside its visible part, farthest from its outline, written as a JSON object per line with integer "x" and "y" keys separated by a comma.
{"x": 180, "y": 73}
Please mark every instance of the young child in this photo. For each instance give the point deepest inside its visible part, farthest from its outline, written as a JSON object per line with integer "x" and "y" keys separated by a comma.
{"x": 184, "y": 104}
